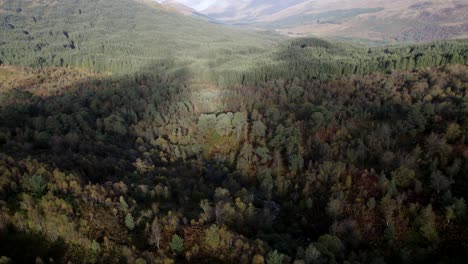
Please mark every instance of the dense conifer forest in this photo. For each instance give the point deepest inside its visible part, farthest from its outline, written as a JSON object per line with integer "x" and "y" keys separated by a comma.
{"x": 129, "y": 134}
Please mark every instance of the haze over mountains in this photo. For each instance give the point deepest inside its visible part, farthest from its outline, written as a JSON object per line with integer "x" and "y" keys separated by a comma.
{"x": 380, "y": 20}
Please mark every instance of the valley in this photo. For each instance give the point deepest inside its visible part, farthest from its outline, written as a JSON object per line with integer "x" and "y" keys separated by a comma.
{"x": 374, "y": 22}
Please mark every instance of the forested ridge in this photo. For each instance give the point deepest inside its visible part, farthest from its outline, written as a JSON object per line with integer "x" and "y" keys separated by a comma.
{"x": 137, "y": 144}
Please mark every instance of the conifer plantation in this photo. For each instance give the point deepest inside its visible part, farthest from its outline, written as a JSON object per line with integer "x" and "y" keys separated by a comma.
{"x": 130, "y": 133}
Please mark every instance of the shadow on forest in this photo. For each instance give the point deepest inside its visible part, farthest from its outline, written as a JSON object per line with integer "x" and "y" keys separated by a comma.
{"x": 26, "y": 247}
{"x": 86, "y": 129}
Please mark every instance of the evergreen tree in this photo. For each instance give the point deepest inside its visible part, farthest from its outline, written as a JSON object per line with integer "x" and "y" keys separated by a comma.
{"x": 275, "y": 258}
{"x": 129, "y": 221}
{"x": 177, "y": 244}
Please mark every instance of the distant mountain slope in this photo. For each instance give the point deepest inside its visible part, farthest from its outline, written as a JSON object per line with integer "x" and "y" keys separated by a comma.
{"x": 378, "y": 20}
{"x": 247, "y": 10}
{"x": 400, "y": 20}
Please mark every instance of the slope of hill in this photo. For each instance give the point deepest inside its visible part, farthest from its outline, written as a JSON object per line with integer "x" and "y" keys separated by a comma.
{"x": 118, "y": 36}
{"x": 381, "y": 20}
{"x": 174, "y": 5}
{"x": 179, "y": 7}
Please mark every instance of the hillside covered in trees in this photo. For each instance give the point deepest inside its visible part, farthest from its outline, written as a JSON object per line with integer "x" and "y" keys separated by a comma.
{"x": 129, "y": 134}
{"x": 126, "y": 37}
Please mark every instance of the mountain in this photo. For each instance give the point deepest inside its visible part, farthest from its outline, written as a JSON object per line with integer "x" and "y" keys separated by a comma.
{"x": 376, "y": 20}
{"x": 247, "y": 10}
{"x": 388, "y": 21}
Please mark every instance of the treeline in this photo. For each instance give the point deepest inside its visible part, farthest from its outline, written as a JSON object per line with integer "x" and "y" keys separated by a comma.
{"x": 309, "y": 59}
{"x": 146, "y": 170}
